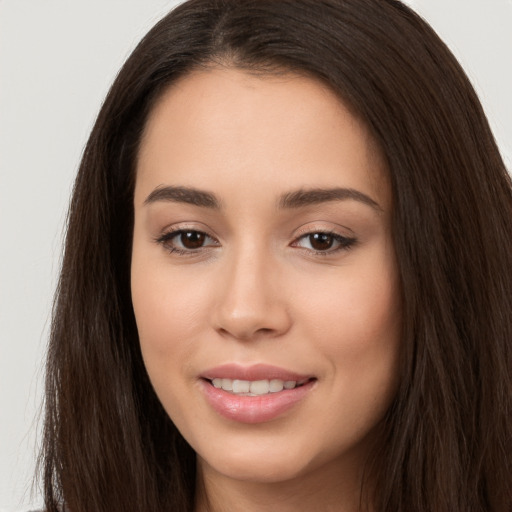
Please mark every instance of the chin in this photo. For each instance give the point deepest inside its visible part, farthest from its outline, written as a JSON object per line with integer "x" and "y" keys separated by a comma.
{"x": 256, "y": 461}
{"x": 263, "y": 470}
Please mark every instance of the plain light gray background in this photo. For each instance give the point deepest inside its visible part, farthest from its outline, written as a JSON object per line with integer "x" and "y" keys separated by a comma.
{"x": 57, "y": 60}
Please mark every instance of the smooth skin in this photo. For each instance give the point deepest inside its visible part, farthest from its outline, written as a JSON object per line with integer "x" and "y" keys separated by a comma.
{"x": 251, "y": 273}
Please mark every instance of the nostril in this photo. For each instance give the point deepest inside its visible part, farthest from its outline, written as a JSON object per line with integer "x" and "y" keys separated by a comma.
{"x": 265, "y": 330}
{"x": 247, "y": 334}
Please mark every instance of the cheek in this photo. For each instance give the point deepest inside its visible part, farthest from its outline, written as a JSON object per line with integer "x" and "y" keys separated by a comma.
{"x": 355, "y": 320}
{"x": 168, "y": 311}
{"x": 168, "y": 307}
{"x": 168, "y": 314}
{"x": 359, "y": 307}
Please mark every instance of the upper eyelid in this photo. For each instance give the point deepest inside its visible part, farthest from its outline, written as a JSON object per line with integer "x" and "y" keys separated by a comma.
{"x": 304, "y": 231}
{"x": 325, "y": 232}
{"x": 321, "y": 231}
{"x": 172, "y": 230}
{"x": 175, "y": 231}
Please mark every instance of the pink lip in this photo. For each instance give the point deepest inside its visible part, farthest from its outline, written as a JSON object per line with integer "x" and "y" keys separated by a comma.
{"x": 253, "y": 409}
{"x": 253, "y": 372}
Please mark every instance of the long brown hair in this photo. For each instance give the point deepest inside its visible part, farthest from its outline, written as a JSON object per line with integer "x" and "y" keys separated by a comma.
{"x": 446, "y": 441}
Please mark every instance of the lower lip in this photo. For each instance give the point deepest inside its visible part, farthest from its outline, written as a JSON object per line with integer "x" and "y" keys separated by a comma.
{"x": 254, "y": 409}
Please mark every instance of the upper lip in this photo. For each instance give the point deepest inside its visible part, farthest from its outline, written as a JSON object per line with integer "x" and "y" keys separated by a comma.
{"x": 253, "y": 372}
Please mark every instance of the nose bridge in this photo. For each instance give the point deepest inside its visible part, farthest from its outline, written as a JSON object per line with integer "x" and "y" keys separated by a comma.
{"x": 251, "y": 303}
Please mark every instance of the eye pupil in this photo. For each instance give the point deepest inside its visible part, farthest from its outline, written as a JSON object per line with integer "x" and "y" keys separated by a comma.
{"x": 321, "y": 241}
{"x": 192, "y": 239}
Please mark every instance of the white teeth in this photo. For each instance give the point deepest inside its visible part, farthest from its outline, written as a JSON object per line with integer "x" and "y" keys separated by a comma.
{"x": 255, "y": 387}
{"x": 227, "y": 384}
{"x": 239, "y": 386}
{"x": 276, "y": 385}
{"x": 259, "y": 387}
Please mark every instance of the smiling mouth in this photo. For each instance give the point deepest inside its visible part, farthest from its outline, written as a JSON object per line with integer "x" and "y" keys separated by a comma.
{"x": 256, "y": 393}
{"x": 256, "y": 387}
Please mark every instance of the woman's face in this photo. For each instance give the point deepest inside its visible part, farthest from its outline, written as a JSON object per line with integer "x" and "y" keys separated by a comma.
{"x": 263, "y": 276}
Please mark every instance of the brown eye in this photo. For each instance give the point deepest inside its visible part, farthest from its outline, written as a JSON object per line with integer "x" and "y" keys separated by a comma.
{"x": 321, "y": 241}
{"x": 192, "y": 239}
{"x": 186, "y": 241}
{"x": 324, "y": 243}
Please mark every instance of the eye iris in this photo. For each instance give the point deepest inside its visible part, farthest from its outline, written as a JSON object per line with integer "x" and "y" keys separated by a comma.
{"x": 321, "y": 241}
{"x": 192, "y": 239}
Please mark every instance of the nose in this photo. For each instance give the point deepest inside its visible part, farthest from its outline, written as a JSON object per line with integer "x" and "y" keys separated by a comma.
{"x": 252, "y": 300}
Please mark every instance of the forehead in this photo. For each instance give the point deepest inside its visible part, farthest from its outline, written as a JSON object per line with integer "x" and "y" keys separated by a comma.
{"x": 291, "y": 130}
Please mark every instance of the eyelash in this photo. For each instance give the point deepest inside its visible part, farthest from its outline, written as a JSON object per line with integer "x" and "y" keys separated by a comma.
{"x": 167, "y": 238}
{"x": 344, "y": 243}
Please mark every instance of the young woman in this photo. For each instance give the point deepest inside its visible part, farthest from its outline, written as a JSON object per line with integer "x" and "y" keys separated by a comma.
{"x": 286, "y": 282}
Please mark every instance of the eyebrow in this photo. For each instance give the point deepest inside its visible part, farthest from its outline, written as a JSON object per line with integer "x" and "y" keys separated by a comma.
{"x": 290, "y": 200}
{"x": 186, "y": 195}
{"x": 309, "y": 197}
